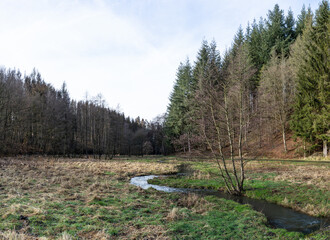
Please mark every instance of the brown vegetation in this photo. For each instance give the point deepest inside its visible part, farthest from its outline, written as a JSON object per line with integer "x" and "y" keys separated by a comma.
{"x": 47, "y": 180}
{"x": 303, "y": 173}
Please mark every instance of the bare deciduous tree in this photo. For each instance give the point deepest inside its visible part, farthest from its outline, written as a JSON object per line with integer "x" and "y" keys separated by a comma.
{"x": 276, "y": 94}
{"x": 223, "y": 109}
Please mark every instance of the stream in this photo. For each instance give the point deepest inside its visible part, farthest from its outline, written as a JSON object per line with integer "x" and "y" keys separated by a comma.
{"x": 277, "y": 216}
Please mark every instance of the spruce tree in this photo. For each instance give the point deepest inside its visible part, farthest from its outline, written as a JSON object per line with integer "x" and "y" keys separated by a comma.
{"x": 320, "y": 70}
{"x": 276, "y": 31}
{"x": 177, "y": 121}
{"x": 311, "y": 117}
{"x": 302, "y": 19}
{"x": 290, "y": 31}
{"x": 201, "y": 63}
{"x": 258, "y": 51}
{"x": 239, "y": 39}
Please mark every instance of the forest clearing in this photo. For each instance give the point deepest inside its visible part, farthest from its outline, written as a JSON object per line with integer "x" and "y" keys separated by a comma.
{"x": 207, "y": 129}
{"x": 48, "y": 198}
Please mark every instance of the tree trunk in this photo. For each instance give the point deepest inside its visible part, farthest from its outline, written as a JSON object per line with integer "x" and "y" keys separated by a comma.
{"x": 304, "y": 149}
{"x": 189, "y": 148}
{"x": 325, "y": 148}
{"x": 240, "y": 134}
{"x": 260, "y": 133}
{"x": 284, "y": 139}
{"x": 246, "y": 130}
{"x": 240, "y": 143}
{"x": 236, "y": 186}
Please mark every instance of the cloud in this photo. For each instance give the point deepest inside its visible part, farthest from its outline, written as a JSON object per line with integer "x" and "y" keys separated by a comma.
{"x": 127, "y": 50}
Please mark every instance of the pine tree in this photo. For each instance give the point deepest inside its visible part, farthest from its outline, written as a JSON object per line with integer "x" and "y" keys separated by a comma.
{"x": 239, "y": 39}
{"x": 177, "y": 120}
{"x": 276, "y": 31}
{"x": 320, "y": 69}
{"x": 290, "y": 33}
{"x": 303, "y": 18}
{"x": 202, "y": 59}
{"x": 311, "y": 117}
{"x": 258, "y": 52}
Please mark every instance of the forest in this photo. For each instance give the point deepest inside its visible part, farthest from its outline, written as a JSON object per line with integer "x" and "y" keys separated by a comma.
{"x": 35, "y": 118}
{"x": 273, "y": 81}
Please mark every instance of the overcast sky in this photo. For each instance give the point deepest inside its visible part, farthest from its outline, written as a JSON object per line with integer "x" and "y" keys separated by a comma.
{"x": 127, "y": 50}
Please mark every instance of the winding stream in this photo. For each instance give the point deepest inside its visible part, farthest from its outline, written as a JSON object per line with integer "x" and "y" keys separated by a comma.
{"x": 277, "y": 216}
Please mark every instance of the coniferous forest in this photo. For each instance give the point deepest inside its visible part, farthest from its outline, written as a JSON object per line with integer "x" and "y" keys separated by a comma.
{"x": 272, "y": 81}
{"x": 38, "y": 119}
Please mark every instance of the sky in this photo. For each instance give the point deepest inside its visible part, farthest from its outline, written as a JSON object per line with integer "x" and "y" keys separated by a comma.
{"x": 126, "y": 50}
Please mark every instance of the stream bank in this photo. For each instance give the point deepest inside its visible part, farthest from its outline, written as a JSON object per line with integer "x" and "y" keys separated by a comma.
{"x": 277, "y": 216}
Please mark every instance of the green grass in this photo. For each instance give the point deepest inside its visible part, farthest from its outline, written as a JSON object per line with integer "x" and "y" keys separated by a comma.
{"x": 99, "y": 201}
{"x": 226, "y": 220}
{"x": 297, "y": 196}
{"x": 78, "y": 217}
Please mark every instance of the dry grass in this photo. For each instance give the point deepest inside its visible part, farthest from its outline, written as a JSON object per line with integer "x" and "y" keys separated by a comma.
{"x": 194, "y": 202}
{"x": 301, "y": 173}
{"x": 173, "y": 214}
{"x": 19, "y": 176}
{"x": 303, "y": 186}
{"x": 65, "y": 236}
{"x": 24, "y": 210}
{"x": 190, "y": 201}
{"x": 47, "y": 181}
{"x": 310, "y": 174}
{"x": 13, "y": 235}
{"x": 201, "y": 175}
{"x": 44, "y": 181}
{"x": 151, "y": 232}
{"x": 318, "y": 157}
{"x": 123, "y": 169}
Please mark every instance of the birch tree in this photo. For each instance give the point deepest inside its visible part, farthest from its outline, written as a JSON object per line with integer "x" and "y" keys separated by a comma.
{"x": 276, "y": 94}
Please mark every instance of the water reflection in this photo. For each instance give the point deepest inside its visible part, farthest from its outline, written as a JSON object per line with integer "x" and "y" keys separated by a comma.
{"x": 277, "y": 216}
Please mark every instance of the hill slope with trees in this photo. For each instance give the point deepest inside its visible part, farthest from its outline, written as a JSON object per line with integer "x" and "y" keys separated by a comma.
{"x": 35, "y": 118}
{"x": 273, "y": 81}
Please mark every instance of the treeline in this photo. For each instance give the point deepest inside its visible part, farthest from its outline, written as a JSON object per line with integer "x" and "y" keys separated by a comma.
{"x": 274, "y": 79}
{"x": 35, "y": 118}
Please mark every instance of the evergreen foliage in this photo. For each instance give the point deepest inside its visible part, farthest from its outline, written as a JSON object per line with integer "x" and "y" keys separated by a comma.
{"x": 276, "y": 31}
{"x": 177, "y": 118}
{"x": 278, "y": 69}
{"x": 35, "y": 118}
{"x": 302, "y": 19}
{"x": 290, "y": 81}
{"x": 311, "y": 117}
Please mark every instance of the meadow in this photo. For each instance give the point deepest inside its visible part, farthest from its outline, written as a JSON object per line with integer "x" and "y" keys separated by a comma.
{"x": 47, "y": 198}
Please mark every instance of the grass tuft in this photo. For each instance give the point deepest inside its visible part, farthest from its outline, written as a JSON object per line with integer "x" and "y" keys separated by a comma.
{"x": 89, "y": 199}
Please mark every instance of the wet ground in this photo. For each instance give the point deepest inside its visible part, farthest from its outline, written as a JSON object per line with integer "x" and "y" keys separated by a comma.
{"x": 277, "y": 216}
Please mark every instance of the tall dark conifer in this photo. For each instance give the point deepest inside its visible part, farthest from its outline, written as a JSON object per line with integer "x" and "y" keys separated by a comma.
{"x": 311, "y": 117}
{"x": 177, "y": 122}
